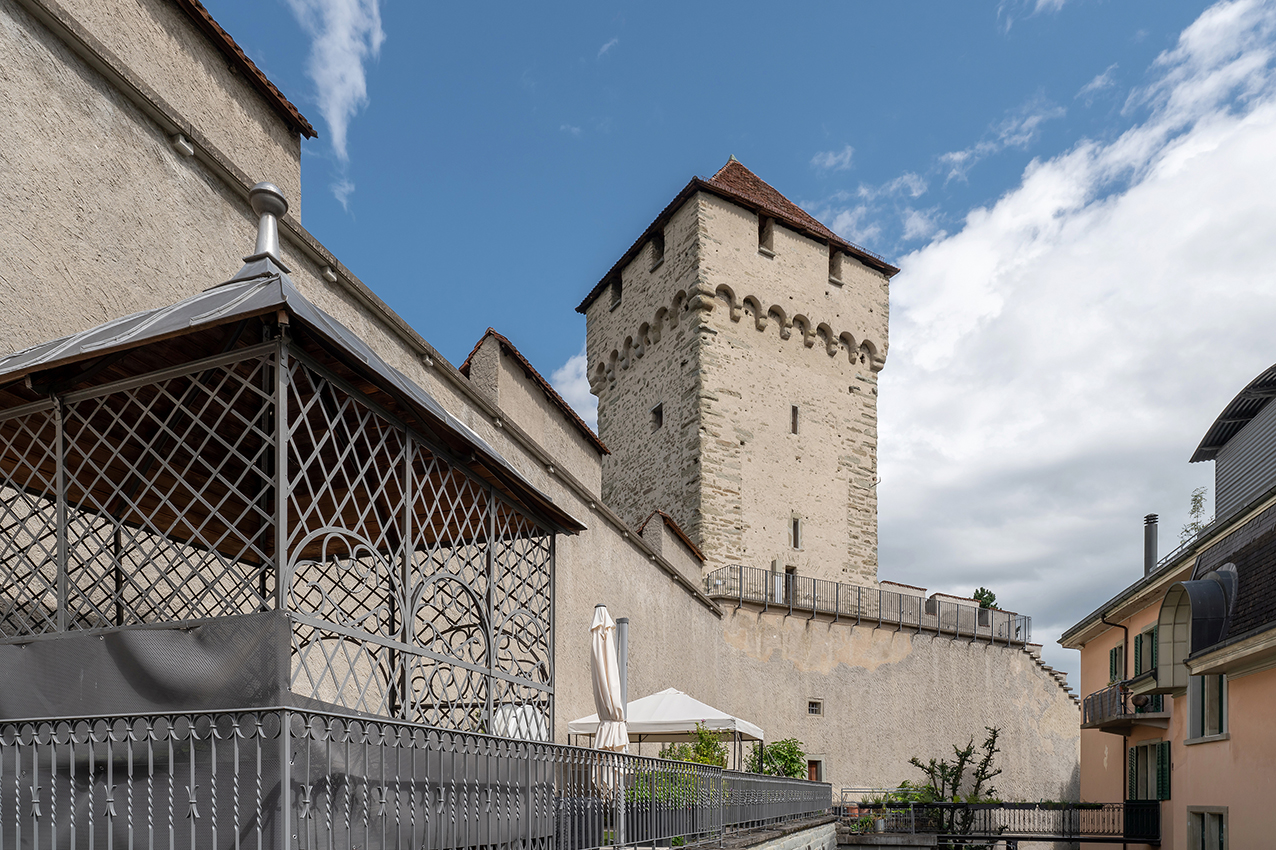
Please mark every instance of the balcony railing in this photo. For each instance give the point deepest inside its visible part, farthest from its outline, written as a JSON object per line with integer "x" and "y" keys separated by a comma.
{"x": 1133, "y": 820}
{"x": 1114, "y": 709}
{"x": 857, "y": 604}
{"x": 285, "y": 778}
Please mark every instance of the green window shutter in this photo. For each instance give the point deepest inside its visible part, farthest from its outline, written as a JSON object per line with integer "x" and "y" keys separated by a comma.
{"x": 1133, "y": 774}
{"x": 1163, "y": 770}
{"x": 1138, "y": 655}
{"x": 1156, "y": 638}
{"x": 1111, "y": 664}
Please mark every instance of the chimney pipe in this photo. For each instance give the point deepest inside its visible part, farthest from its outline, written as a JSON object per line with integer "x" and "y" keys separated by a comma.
{"x": 1149, "y": 543}
{"x": 269, "y": 203}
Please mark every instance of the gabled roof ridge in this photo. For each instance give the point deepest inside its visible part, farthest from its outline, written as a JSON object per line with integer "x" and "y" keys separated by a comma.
{"x": 539, "y": 380}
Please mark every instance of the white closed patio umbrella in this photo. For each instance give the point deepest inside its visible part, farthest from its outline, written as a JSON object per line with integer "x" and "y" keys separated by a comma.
{"x": 612, "y": 734}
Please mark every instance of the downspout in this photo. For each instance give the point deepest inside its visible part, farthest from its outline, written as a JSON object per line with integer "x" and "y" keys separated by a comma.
{"x": 1125, "y": 745}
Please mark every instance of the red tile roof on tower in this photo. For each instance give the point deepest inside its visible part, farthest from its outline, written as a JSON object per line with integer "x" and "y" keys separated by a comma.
{"x": 530, "y": 371}
{"x": 240, "y": 62}
{"x": 736, "y": 183}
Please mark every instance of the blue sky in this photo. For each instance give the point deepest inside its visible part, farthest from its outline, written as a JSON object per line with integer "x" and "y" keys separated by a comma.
{"x": 1080, "y": 194}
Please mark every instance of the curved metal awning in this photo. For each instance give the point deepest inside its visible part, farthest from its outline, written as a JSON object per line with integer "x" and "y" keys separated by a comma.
{"x": 1247, "y": 404}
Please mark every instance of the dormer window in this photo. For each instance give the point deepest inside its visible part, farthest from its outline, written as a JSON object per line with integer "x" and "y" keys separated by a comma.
{"x": 835, "y": 266}
{"x": 766, "y": 236}
{"x": 657, "y": 250}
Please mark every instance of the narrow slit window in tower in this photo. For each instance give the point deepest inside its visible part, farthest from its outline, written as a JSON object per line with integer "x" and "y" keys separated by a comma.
{"x": 766, "y": 235}
{"x": 658, "y": 417}
{"x": 657, "y": 250}
{"x": 793, "y": 419}
{"x": 835, "y": 266}
{"x": 797, "y": 533}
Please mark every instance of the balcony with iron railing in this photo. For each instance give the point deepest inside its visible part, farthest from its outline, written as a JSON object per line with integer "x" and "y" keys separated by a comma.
{"x": 1115, "y": 710}
{"x": 856, "y": 604}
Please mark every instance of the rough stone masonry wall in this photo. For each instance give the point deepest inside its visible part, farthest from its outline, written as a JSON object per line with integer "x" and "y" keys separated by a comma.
{"x": 641, "y": 353}
{"x": 782, "y": 335}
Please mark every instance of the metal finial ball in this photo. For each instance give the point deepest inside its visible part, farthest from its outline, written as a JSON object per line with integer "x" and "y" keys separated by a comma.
{"x": 266, "y": 198}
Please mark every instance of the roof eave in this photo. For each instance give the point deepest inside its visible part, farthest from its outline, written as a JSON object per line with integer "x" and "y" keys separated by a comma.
{"x": 698, "y": 184}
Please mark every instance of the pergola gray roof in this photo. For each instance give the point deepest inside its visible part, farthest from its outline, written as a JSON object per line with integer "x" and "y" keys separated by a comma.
{"x": 261, "y": 288}
{"x": 1237, "y": 415}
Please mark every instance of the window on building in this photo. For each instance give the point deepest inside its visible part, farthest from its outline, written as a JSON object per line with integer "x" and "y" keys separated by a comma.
{"x": 815, "y": 770}
{"x": 815, "y": 706}
{"x": 1149, "y": 771}
{"x": 1116, "y": 663}
{"x": 1206, "y": 706}
{"x": 658, "y": 417}
{"x": 1207, "y": 828}
{"x": 835, "y": 266}
{"x": 657, "y": 250}
{"x": 1145, "y": 661}
{"x": 617, "y": 289}
{"x": 766, "y": 235}
{"x": 793, "y": 419}
{"x": 797, "y": 533}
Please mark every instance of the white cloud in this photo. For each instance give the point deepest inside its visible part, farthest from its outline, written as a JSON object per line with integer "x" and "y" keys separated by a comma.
{"x": 1055, "y": 361}
{"x": 833, "y": 160}
{"x": 1017, "y": 130}
{"x": 857, "y": 225}
{"x": 342, "y": 189}
{"x": 1009, "y": 10}
{"x": 572, "y": 383}
{"x": 920, "y": 224}
{"x": 602, "y": 51}
{"x": 1100, "y": 83}
{"x": 345, "y": 34}
{"x": 569, "y": 128}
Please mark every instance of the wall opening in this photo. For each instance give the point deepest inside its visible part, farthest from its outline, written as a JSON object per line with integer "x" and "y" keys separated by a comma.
{"x": 793, "y": 419}
{"x": 657, "y": 250}
{"x": 835, "y": 266}
{"x": 766, "y": 236}
{"x": 797, "y": 532}
{"x": 658, "y": 417}
{"x": 815, "y": 707}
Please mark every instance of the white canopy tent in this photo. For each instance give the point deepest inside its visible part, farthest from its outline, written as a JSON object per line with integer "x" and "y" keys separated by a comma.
{"x": 671, "y": 716}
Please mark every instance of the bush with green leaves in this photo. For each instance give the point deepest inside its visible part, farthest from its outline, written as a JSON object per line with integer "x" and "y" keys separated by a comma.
{"x": 782, "y": 758}
{"x": 705, "y": 747}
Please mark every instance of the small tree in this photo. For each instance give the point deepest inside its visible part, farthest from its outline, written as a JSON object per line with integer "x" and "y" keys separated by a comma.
{"x": 945, "y": 779}
{"x": 782, "y": 758}
{"x": 705, "y": 747}
{"x": 985, "y": 597}
{"x": 1196, "y": 515}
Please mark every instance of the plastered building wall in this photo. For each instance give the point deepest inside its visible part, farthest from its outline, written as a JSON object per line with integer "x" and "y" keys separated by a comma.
{"x": 724, "y": 340}
{"x": 107, "y": 219}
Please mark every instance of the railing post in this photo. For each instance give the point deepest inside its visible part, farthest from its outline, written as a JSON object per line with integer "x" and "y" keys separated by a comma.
{"x": 739, "y": 575}
{"x": 837, "y": 605}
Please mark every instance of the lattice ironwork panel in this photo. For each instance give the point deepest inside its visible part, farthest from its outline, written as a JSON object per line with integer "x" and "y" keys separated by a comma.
{"x": 451, "y": 613}
{"x": 522, "y": 561}
{"x": 28, "y": 524}
{"x": 169, "y": 498}
{"x": 358, "y": 673}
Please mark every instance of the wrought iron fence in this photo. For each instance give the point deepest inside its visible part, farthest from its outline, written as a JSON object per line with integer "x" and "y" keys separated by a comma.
{"x": 282, "y": 778}
{"x": 857, "y": 603}
{"x": 1131, "y": 820}
{"x": 1115, "y": 703}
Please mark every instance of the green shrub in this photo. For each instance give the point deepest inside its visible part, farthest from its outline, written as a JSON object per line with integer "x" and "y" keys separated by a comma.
{"x": 782, "y": 758}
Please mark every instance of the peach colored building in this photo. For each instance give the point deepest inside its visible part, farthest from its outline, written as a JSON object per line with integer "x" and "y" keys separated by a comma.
{"x": 1179, "y": 668}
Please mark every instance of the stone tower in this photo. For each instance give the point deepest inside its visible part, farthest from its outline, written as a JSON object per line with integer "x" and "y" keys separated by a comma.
{"x": 734, "y": 351}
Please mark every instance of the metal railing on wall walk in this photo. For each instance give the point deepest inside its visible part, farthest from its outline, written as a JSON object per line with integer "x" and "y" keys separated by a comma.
{"x": 857, "y": 604}
{"x": 284, "y": 778}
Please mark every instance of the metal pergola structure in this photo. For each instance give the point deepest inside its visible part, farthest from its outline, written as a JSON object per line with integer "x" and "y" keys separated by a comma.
{"x": 197, "y": 482}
